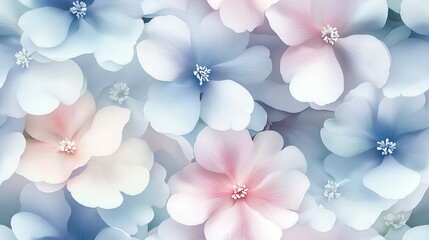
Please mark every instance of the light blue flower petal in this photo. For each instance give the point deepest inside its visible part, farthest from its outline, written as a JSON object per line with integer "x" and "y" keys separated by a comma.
{"x": 408, "y": 78}
{"x": 252, "y": 66}
{"x": 417, "y": 233}
{"x": 226, "y": 105}
{"x": 173, "y": 107}
{"x": 391, "y": 173}
{"x": 46, "y": 26}
{"x": 350, "y": 132}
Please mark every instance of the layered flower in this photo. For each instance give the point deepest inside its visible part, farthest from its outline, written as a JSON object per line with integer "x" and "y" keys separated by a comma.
{"x": 375, "y": 144}
{"x": 249, "y": 189}
{"x": 242, "y": 15}
{"x": 328, "y": 53}
{"x": 75, "y": 136}
{"x": 66, "y": 29}
{"x": 197, "y": 76}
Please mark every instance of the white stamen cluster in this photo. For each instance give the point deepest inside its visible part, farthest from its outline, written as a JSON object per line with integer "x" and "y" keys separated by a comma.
{"x": 23, "y": 58}
{"x": 330, "y": 35}
{"x": 68, "y": 146}
{"x": 240, "y": 191}
{"x": 386, "y": 147}
{"x": 202, "y": 73}
{"x": 119, "y": 92}
{"x": 394, "y": 220}
{"x": 331, "y": 191}
{"x": 79, "y": 9}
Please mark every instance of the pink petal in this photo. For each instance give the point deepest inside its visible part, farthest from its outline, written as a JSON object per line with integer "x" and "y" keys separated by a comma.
{"x": 313, "y": 72}
{"x": 260, "y": 164}
{"x": 209, "y": 184}
{"x": 65, "y": 121}
{"x": 291, "y": 20}
{"x": 104, "y": 178}
{"x": 240, "y": 222}
{"x": 278, "y": 196}
{"x": 105, "y": 134}
{"x": 43, "y": 162}
{"x": 223, "y": 152}
{"x": 241, "y": 15}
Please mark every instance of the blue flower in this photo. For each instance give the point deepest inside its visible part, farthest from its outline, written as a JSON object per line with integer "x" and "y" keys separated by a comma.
{"x": 200, "y": 65}
{"x": 380, "y": 139}
{"x": 66, "y": 29}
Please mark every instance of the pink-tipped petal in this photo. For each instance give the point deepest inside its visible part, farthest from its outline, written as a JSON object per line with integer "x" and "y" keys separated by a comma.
{"x": 313, "y": 72}
{"x": 291, "y": 20}
{"x": 44, "y": 162}
{"x": 65, "y": 121}
{"x": 223, "y": 152}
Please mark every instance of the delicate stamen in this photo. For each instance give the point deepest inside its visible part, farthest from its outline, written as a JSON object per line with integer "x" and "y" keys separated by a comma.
{"x": 23, "y": 58}
{"x": 386, "y": 147}
{"x": 68, "y": 146}
{"x": 119, "y": 92}
{"x": 240, "y": 191}
{"x": 394, "y": 220}
{"x": 331, "y": 191}
{"x": 202, "y": 73}
{"x": 79, "y": 9}
{"x": 330, "y": 35}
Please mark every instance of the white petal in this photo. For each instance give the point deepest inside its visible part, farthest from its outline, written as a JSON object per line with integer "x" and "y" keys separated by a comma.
{"x": 226, "y": 105}
{"x": 417, "y": 233}
{"x": 104, "y": 178}
{"x": 415, "y": 14}
{"x": 314, "y": 74}
{"x": 42, "y": 87}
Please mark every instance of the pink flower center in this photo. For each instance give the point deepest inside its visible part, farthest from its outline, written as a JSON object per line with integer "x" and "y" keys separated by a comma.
{"x": 330, "y": 34}
{"x": 239, "y": 191}
{"x": 68, "y": 146}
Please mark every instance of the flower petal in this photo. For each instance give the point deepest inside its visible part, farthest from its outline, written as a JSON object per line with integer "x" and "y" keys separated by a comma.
{"x": 313, "y": 72}
{"x": 278, "y": 196}
{"x": 43, "y": 162}
{"x": 415, "y": 14}
{"x": 168, "y": 46}
{"x": 391, "y": 173}
{"x": 226, "y": 105}
{"x": 292, "y": 21}
{"x": 12, "y": 146}
{"x": 46, "y": 26}
{"x": 105, "y": 134}
{"x": 240, "y": 222}
{"x": 252, "y": 66}
{"x": 65, "y": 121}
{"x": 408, "y": 78}
{"x": 350, "y": 132}
{"x": 43, "y": 86}
{"x": 173, "y": 102}
{"x": 104, "y": 178}
{"x": 241, "y": 15}
{"x": 223, "y": 152}
{"x": 417, "y": 233}
{"x": 364, "y": 59}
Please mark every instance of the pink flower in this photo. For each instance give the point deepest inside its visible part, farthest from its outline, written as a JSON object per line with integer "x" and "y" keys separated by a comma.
{"x": 242, "y": 15}
{"x": 328, "y": 53}
{"x": 75, "y": 136}
{"x": 240, "y": 189}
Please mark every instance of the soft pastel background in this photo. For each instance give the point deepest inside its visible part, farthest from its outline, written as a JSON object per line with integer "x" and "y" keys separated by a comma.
{"x": 214, "y": 119}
